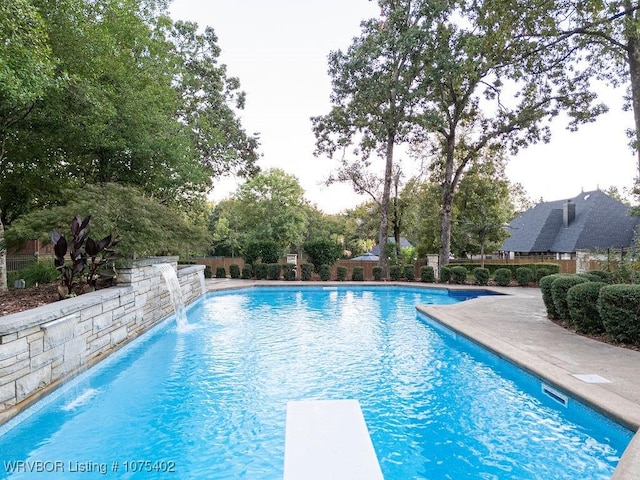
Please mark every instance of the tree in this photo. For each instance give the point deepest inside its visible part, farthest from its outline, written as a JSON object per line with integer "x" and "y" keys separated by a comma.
{"x": 26, "y": 71}
{"x": 373, "y": 98}
{"x": 474, "y": 63}
{"x": 271, "y": 206}
{"x": 145, "y": 226}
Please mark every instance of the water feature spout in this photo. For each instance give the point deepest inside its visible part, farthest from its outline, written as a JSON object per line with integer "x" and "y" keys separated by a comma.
{"x": 175, "y": 293}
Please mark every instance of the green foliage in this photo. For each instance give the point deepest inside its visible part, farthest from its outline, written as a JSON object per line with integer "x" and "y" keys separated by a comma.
{"x": 341, "y": 273}
{"x": 582, "y": 300}
{"x": 39, "y": 273}
{"x": 604, "y": 276}
{"x": 221, "y": 272}
{"x": 207, "y": 272}
{"x": 307, "y": 271}
{"x": 273, "y": 271}
{"x": 427, "y": 274}
{"x": 545, "y": 287}
{"x": 323, "y": 252}
{"x": 481, "y": 276}
{"x": 459, "y": 275}
{"x": 247, "y": 271}
{"x": 144, "y": 226}
{"x": 559, "y": 289}
{"x": 542, "y": 272}
{"x": 289, "y": 271}
{"x": 591, "y": 277}
{"x": 409, "y": 272}
{"x": 619, "y": 307}
{"x": 325, "y": 272}
{"x": 265, "y": 251}
{"x": 502, "y": 277}
{"x": 524, "y": 276}
{"x": 395, "y": 272}
{"x": 378, "y": 273}
{"x": 260, "y": 270}
{"x": 270, "y": 205}
{"x": 445, "y": 274}
{"x": 358, "y": 274}
{"x": 234, "y": 270}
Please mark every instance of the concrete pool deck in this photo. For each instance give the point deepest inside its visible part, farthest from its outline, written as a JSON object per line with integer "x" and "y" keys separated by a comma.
{"x": 514, "y": 326}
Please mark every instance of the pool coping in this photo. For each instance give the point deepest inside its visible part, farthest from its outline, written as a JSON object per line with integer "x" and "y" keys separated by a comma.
{"x": 514, "y": 326}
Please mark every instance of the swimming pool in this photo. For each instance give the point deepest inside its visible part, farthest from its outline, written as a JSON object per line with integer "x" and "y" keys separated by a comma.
{"x": 210, "y": 402}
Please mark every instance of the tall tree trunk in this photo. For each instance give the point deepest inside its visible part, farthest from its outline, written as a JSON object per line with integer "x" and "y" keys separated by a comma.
{"x": 384, "y": 204}
{"x": 634, "y": 73}
{"x": 3, "y": 261}
{"x": 447, "y": 215}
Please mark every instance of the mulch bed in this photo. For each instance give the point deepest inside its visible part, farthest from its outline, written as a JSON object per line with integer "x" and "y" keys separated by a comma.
{"x": 18, "y": 300}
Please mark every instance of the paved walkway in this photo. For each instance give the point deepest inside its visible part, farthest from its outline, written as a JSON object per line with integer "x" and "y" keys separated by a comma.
{"x": 515, "y": 327}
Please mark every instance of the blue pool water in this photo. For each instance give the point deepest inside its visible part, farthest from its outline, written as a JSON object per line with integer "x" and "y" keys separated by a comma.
{"x": 210, "y": 403}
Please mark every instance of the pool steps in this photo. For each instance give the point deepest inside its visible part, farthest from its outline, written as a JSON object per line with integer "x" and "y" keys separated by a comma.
{"x": 328, "y": 439}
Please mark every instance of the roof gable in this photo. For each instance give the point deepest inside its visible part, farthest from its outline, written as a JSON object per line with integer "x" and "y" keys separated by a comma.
{"x": 600, "y": 222}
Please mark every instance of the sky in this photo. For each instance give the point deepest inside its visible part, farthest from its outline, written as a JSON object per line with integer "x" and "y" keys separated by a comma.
{"x": 279, "y": 48}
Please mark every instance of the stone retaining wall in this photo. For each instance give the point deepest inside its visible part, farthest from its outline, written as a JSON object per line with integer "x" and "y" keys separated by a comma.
{"x": 43, "y": 347}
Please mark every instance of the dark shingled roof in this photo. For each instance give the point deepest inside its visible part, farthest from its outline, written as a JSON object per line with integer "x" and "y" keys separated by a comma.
{"x": 600, "y": 222}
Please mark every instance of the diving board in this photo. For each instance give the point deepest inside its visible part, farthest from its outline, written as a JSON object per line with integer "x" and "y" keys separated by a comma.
{"x": 328, "y": 439}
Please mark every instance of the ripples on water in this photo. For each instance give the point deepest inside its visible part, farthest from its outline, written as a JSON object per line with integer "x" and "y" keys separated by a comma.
{"x": 213, "y": 399}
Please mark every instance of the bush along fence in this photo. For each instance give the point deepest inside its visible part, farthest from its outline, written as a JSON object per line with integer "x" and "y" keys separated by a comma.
{"x": 523, "y": 274}
{"x": 591, "y": 305}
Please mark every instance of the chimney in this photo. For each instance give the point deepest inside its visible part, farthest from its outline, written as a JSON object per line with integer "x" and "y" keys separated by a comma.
{"x": 568, "y": 213}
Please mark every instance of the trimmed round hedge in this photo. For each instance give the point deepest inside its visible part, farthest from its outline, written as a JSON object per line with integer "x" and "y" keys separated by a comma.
{"x": 582, "y": 300}
{"x": 481, "y": 275}
{"x": 459, "y": 275}
{"x": 545, "y": 288}
{"x": 427, "y": 274}
{"x": 502, "y": 277}
{"x": 559, "y": 289}
{"x": 619, "y": 307}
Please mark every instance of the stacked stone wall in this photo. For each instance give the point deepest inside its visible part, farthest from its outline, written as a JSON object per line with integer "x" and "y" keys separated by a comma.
{"x": 42, "y": 348}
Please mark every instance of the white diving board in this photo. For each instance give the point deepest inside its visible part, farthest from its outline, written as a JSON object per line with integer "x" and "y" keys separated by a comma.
{"x": 328, "y": 439}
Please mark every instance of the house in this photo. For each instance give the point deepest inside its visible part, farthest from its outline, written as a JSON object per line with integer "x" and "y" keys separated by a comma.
{"x": 404, "y": 243}
{"x": 591, "y": 221}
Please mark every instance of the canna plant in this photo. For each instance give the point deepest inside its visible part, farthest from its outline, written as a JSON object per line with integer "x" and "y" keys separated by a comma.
{"x": 90, "y": 259}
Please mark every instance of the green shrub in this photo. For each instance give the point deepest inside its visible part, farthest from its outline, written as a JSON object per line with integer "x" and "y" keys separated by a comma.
{"x": 545, "y": 287}
{"x": 260, "y": 270}
{"x": 459, "y": 275}
{"x": 306, "y": 271}
{"x": 559, "y": 289}
{"x": 550, "y": 268}
{"x": 289, "y": 271}
{"x": 40, "y": 273}
{"x": 481, "y": 275}
{"x": 247, "y": 271}
{"x": 266, "y": 251}
{"x": 341, "y": 273}
{"x": 409, "y": 272}
{"x": 395, "y": 272}
{"x": 273, "y": 271}
{"x": 234, "y": 271}
{"x": 427, "y": 274}
{"x": 323, "y": 252}
{"x": 358, "y": 274}
{"x": 605, "y": 277}
{"x": 221, "y": 272}
{"x": 207, "y": 271}
{"x": 325, "y": 272}
{"x": 542, "y": 272}
{"x": 378, "y": 273}
{"x": 445, "y": 274}
{"x": 619, "y": 307}
{"x": 582, "y": 300}
{"x": 590, "y": 276}
{"x": 524, "y": 276}
{"x": 503, "y": 276}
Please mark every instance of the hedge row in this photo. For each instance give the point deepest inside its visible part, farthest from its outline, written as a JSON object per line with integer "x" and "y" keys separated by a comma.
{"x": 539, "y": 269}
{"x": 591, "y": 305}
